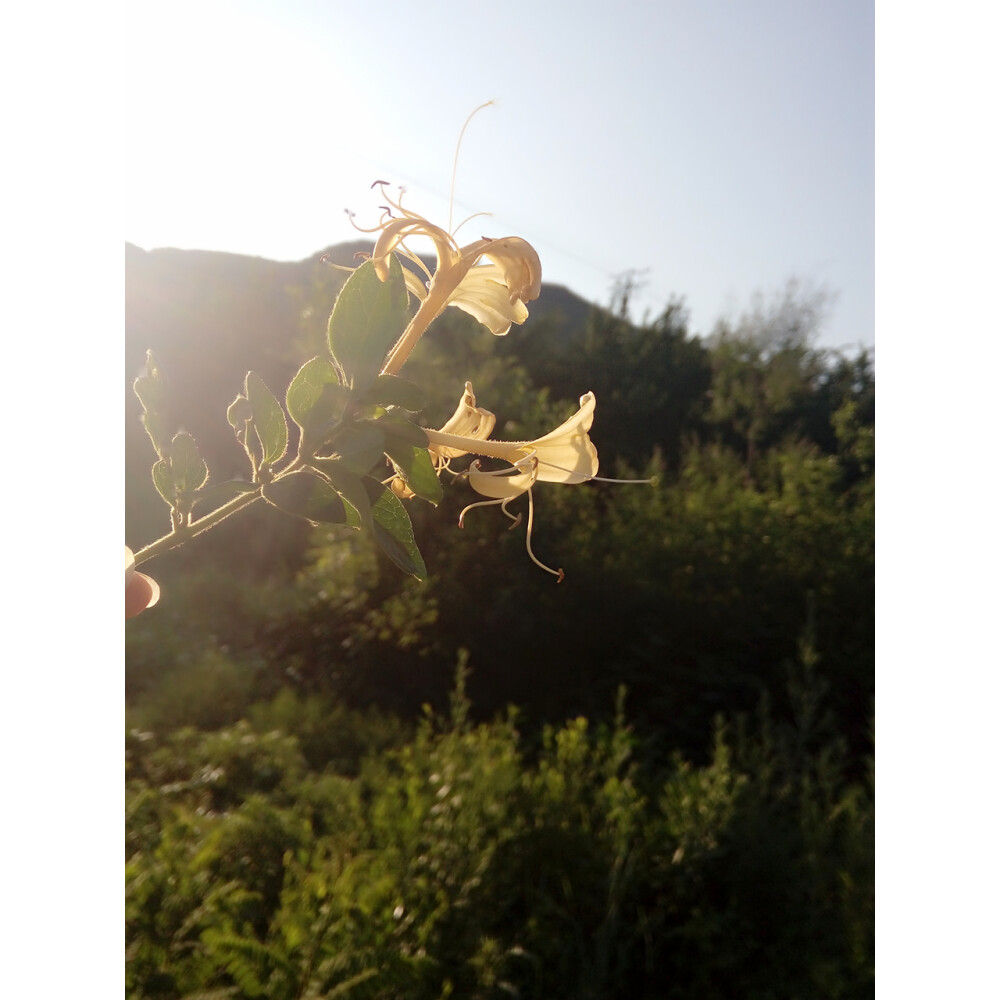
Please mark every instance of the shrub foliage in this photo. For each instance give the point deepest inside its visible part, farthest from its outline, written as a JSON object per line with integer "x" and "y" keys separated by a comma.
{"x": 652, "y": 780}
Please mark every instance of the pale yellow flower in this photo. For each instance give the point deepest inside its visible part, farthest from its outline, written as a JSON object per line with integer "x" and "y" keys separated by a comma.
{"x": 565, "y": 455}
{"x": 494, "y": 293}
{"x": 468, "y": 422}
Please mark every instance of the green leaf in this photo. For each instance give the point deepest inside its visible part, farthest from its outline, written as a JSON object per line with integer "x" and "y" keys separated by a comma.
{"x": 239, "y": 413}
{"x": 157, "y": 429}
{"x": 404, "y": 430}
{"x": 393, "y": 530}
{"x": 414, "y": 467}
{"x": 164, "y": 481}
{"x": 152, "y": 393}
{"x": 367, "y": 319}
{"x": 304, "y": 494}
{"x": 187, "y": 468}
{"x": 315, "y": 396}
{"x": 391, "y": 390}
{"x": 358, "y": 445}
{"x": 151, "y": 386}
{"x": 349, "y": 487}
{"x": 268, "y": 418}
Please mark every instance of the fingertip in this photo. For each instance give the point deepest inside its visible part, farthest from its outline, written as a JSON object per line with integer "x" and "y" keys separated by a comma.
{"x": 142, "y": 592}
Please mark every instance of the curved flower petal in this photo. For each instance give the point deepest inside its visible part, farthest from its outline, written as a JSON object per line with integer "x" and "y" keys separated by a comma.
{"x": 469, "y": 421}
{"x": 520, "y": 265}
{"x": 416, "y": 287}
{"x": 567, "y": 455}
{"x": 485, "y": 297}
{"x": 503, "y": 485}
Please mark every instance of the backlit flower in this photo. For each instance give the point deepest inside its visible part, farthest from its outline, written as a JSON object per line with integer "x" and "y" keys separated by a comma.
{"x": 494, "y": 292}
{"x": 468, "y": 422}
{"x": 565, "y": 455}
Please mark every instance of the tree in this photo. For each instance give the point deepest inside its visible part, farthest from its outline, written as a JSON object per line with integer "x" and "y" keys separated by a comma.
{"x": 764, "y": 369}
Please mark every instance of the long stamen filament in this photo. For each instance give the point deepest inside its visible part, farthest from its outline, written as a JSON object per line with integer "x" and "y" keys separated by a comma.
{"x": 557, "y": 573}
{"x": 475, "y": 215}
{"x": 361, "y": 229}
{"x": 480, "y": 503}
{"x": 596, "y": 479}
{"x": 454, "y": 165}
{"x": 515, "y": 518}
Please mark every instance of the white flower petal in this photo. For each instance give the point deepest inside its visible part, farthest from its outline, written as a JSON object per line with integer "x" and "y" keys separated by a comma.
{"x": 469, "y": 421}
{"x": 484, "y": 296}
{"x": 500, "y": 486}
{"x": 567, "y": 455}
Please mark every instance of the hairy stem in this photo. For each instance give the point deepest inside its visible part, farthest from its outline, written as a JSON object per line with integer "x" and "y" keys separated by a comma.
{"x": 188, "y": 531}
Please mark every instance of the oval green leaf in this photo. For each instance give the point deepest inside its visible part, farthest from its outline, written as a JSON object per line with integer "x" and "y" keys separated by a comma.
{"x": 393, "y": 530}
{"x": 239, "y": 413}
{"x": 415, "y": 468}
{"x": 404, "y": 430}
{"x": 350, "y": 489}
{"x": 187, "y": 468}
{"x": 367, "y": 319}
{"x": 315, "y": 396}
{"x": 164, "y": 481}
{"x": 391, "y": 390}
{"x": 304, "y": 494}
{"x": 358, "y": 445}
{"x": 268, "y": 418}
{"x": 151, "y": 390}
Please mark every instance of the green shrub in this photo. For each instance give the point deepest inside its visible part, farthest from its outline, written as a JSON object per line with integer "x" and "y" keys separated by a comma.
{"x": 452, "y": 864}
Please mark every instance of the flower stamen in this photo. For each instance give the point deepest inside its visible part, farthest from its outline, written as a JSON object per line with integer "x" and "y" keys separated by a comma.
{"x": 475, "y": 215}
{"x": 454, "y": 163}
{"x": 481, "y": 503}
{"x": 557, "y": 573}
{"x": 583, "y": 477}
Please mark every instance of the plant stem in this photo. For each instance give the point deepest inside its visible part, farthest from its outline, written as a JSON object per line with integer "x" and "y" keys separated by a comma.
{"x": 188, "y": 531}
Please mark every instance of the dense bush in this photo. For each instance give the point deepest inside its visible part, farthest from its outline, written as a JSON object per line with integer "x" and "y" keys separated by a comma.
{"x": 454, "y": 865}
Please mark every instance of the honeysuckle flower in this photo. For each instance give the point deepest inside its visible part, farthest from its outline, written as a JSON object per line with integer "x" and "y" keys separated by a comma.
{"x": 467, "y": 422}
{"x": 494, "y": 292}
{"x": 565, "y": 455}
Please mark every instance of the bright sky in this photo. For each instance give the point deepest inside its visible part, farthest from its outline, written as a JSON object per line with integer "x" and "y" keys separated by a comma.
{"x": 721, "y": 147}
